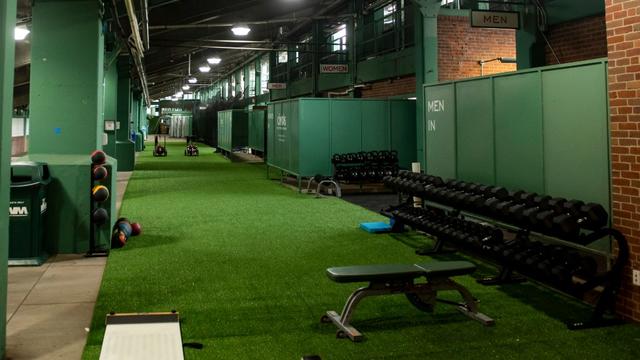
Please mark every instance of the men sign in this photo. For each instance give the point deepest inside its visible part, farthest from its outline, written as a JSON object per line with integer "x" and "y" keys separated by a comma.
{"x": 495, "y": 19}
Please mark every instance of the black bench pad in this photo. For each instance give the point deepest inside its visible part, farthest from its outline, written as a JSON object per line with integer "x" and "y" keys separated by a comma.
{"x": 447, "y": 268}
{"x": 389, "y": 272}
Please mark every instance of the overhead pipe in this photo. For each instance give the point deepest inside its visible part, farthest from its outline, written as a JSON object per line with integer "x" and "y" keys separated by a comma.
{"x": 144, "y": 11}
{"x": 261, "y": 22}
{"x": 221, "y": 41}
{"x": 135, "y": 29}
{"x": 152, "y": 7}
{"x": 137, "y": 48}
{"x": 242, "y": 48}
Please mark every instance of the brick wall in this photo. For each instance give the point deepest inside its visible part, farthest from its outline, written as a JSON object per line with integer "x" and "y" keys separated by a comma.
{"x": 390, "y": 88}
{"x": 578, "y": 40}
{"x": 461, "y": 47}
{"x": 18, "y": 145}
{"x": 623, "y": 37}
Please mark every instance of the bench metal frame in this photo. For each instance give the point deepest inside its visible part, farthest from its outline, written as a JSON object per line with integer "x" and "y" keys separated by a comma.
{"x": 427, "y": 293}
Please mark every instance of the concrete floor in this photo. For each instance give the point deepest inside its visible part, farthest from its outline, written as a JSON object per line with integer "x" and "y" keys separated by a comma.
{"x": 49, "y": 308}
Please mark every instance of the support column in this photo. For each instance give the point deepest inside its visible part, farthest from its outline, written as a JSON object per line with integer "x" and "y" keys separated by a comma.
{"x": 67, "y": 116}
{"x": 67, "y": 57}
{"x": 7, "y": 48}
{"x": 111, "y": 107}
{"x": 125, "y": 148}
{"x": 135, "y": 120}
{"x": 426, "y": 65}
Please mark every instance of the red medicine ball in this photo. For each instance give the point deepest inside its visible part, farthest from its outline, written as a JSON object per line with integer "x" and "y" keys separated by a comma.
{"x": 98, "y": 157}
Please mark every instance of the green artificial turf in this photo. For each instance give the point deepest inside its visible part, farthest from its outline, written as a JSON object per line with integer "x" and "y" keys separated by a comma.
{"x": 243, "y": 260}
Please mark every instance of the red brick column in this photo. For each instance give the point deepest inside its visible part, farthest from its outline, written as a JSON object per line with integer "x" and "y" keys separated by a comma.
{"x": 623, "y": 38}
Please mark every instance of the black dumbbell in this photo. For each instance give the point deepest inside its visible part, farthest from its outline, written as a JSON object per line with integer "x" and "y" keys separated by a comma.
{"x": 514, "y": 212}
{"x": 527, "y": 217}
{"x": 501, "y": 209}
{"x": 393, "y": 156}
{"x": 403, "y": 173}
{"x": 578, "y": 215}
{"x": 492, "y": 195}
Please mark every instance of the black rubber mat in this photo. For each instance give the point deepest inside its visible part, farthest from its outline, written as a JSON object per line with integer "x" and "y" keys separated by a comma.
{"x": 373, "y": 202}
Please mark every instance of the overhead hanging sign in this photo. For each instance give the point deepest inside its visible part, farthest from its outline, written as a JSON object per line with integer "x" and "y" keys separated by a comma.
{"x": 334, "y": 68}
{"x": 495, "y": 19}
{"x": 276, "y": 86}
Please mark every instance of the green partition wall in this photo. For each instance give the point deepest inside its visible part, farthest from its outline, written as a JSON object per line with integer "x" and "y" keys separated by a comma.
{"x": 440, "y": 130}
{"x": 7, "y": 48}
{"x": 257, "y": 127}
{"x": 542, "y": 130}
{"x": 303, "y": 134}
{"x": 233, "y": 128}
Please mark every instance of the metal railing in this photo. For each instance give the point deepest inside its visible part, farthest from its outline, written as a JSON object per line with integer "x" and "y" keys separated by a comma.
{"x": 386, "y": 33}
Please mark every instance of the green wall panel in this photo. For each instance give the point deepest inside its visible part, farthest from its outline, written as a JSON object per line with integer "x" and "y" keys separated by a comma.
{"x": 257, "y": 128}
{"x": 440, "y": 126}
{"x": 315, "y": 115}
{"x": 270, "y": 128}
{"x": 474, "y": 135}
{"x": 333, "y": 81}
{"x": 7, "y": 52}
{"x": 375, "y": 125}
{"x": 403, "y": 132}
{"x": 387, "y": 66}
{"x": 233, "y": 129}
{"x": 346, "y": 120}
{"x": 546, "y": 128}
{"x": 304, "y": 133}
{"x": 301, "y": 87}
{"x": 518, "y": 132}
{"x": 293, "y": 123}
{"x": 576, "y": 132}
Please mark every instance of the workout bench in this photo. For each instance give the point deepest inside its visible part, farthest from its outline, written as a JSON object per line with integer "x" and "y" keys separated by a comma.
{"x": 400, "y": 279}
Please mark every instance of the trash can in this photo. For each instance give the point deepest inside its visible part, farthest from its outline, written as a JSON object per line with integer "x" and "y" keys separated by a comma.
{"x": 28, "y": 212}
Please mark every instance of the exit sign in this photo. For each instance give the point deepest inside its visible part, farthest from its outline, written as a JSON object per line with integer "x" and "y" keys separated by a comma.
{"x": 495, "y": 19}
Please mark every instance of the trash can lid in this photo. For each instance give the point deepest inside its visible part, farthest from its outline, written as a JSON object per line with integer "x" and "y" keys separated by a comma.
{"x": 29, "y": 171}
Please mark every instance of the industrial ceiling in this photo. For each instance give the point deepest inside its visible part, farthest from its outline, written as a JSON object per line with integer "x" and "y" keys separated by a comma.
{"x": 199, "y": 28}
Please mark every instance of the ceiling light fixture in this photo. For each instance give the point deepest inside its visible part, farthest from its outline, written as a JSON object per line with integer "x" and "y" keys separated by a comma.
{"x": 240, "y": 30}
{"x": 20, "y": 33}
{"x": 214, "y": 60}
{"x": 192, "y": 80}
{"x": 204, "y": 68}
{"x": 185, "y": 87}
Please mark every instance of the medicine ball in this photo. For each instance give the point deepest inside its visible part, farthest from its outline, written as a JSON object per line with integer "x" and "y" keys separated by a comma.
{"x": 136, "y": 229}
{"x": 100, "y": 193}
{"x": 100, "y": 173}
{"x": 98, "y": 157}
{"x": 100, "y": 216}
{"x": 121, "y": 232}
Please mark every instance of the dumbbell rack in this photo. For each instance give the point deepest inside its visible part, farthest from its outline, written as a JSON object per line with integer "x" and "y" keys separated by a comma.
{"x": 608, "y": 281}
{"x": 363, "y": 160}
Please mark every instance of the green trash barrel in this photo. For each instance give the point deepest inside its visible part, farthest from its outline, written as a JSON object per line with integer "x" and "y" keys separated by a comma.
{"x": 27, "y": 213}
